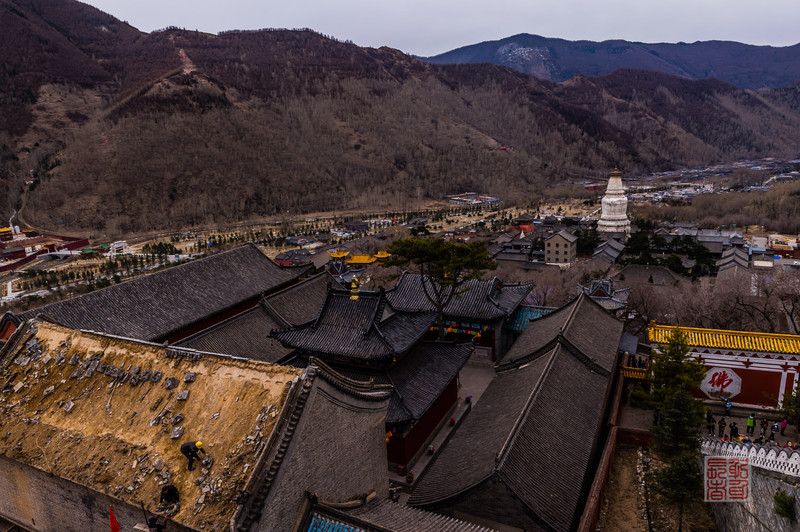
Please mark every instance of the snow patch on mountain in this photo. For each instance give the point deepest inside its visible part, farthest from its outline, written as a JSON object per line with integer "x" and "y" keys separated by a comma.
{"x": 535, "y": 61}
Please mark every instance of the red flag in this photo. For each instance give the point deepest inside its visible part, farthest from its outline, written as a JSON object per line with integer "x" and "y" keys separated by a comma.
{"x": 114, "y": 524}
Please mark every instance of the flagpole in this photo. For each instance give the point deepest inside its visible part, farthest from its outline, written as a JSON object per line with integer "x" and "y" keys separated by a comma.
{"x": 143, "y": 511}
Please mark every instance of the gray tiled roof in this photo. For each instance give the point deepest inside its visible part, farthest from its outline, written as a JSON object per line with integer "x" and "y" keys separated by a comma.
{"x": 566, "y": 235}
{"x": 733, "y": 258}
{"x": 477, "y": 300}
{"x": 480, "y": 437}
{"x": 245, "y": 336}
{"x": 603, "y": 293}
{"x": 544, "y": 407}
{"x": 392, "y": 516}
{"x": 571, "y": 398}
{"x": 154, "y": 305}
{"x": 514, "y": 256}
{"x": 641, "y": 273}
{"x": 356, "y": 329}
{"x": 418, "y": 379}
{"x": 300, "y": 303}
{"x": 421, "y": 376}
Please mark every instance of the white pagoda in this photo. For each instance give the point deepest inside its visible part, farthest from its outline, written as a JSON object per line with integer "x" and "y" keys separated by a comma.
{"x": 614, "y": 219}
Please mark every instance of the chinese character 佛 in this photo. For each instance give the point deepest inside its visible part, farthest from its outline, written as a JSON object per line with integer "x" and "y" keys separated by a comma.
{"x": 720, "y": 379}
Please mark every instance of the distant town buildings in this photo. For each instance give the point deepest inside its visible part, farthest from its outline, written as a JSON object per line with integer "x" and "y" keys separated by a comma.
{"x": 473, "y": 198}
{"x": 18, "y": 248}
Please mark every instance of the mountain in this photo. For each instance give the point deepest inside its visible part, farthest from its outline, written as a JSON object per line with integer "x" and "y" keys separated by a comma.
{"x": 111, "y": 130}
{"x": 743, "y": 65}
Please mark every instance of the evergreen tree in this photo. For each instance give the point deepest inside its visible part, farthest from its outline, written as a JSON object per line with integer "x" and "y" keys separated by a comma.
{"x": 680, "y": 482}
{"x": 677, "y": 437}
{"x": 791, "y": 406}
{"x": 444, "y": 267}
{"x": 677, "y": 431}
{"x": 673, "y": 369}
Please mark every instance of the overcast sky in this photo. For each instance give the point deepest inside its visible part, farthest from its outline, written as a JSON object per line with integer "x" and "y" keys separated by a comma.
{"x": 429, "y": 27}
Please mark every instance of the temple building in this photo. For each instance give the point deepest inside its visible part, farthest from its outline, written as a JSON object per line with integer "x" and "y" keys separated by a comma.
{"x": 603, "y": 292}
{"x": 478, "y": 313}
{"x": 362, "y": 336}
{"x": 614, "y": 218}
{"x": 746, "y": 367}
{"x": 172, "y": 304}
{"x": 527, "y": 453}
{"x": 246, "y": 334}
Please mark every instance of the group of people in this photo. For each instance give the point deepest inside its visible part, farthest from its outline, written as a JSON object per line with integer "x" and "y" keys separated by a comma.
{"x": 638, "y": 362}
{"x": 169, "y": 502}
{"x": 732, "y": 433}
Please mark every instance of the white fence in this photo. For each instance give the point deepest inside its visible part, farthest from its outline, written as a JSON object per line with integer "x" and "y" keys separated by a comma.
{"x": 772, "y": 458}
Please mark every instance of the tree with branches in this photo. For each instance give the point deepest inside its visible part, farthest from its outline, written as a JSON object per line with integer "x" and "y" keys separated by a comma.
{"x": 444, "y": 267}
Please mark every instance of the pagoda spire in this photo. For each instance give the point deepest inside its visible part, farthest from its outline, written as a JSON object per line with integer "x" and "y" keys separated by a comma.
{"x": 614, "y": 219}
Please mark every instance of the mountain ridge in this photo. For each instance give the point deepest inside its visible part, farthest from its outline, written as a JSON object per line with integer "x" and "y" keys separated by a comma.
{"x": 178, "y": 128}
{"x": 555, "y": 59}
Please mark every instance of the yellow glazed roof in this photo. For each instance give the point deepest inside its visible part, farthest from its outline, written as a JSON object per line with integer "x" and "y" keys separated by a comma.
{"x": 738, "y": 340}
{"x": 361, "y": 259}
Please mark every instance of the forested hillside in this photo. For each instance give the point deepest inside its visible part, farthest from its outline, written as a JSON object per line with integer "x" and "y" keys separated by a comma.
{"x": 177, "y": 127}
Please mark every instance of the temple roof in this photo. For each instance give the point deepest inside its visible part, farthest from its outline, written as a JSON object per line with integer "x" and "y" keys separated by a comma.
{"x": 111, "y": 408}
{"x": 611, "y": 248}
{"x": 377, "y": 515}
{"x": 530, "y": 417}
{"x": 418, "y": 379}
{"x": 582, "y": 322}
{"x": 421, "y": 376}
{"x": 736, "y": 340}
{"x": 331, "y": 444}
{"x": 300, "y": 303}
{"x": 479, "y": 300}
{"x": 733, "y": 258}
{"x": 359, "y": 329}
{"x": 602, "y": 291}
{"x": 566, "y": 235}
{"x": 644, "y": 273}
{"x": 247, "y": 334}
{"x": 152, "y": 306}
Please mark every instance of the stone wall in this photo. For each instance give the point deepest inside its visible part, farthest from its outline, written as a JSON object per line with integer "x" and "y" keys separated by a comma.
{"x": 758, "y": 514}
{"x": 780, "y": 460}
{"x": 772, "y": 469}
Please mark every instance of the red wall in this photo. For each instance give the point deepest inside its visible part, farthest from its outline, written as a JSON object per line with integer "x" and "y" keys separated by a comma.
{"x": 758, "y": 387}
{"x": 7, "y": 330}
{"x": 401, "y": 449}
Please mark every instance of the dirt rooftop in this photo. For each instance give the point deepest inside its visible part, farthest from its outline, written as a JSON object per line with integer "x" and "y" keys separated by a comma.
{"x": 104, "y": 412}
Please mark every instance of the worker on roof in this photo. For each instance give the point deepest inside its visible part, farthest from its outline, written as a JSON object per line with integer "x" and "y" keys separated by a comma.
{"x": 190, "y": 449}
{"x": 154, "y": 526}
{"x": 169, "y": 494}
{"x": 169, "y": 502}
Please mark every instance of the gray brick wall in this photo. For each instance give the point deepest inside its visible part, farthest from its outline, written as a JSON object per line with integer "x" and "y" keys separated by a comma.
{"x": 758, "y": 514}
{"x": 39, "y": 501}
{"x": 338, "y": 452}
